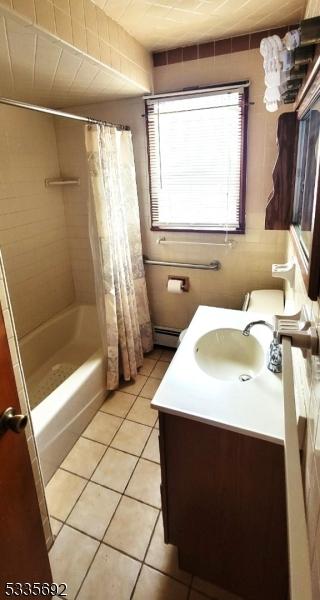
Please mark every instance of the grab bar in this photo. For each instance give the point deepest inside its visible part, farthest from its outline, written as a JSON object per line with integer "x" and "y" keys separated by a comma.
{"x": 299, "y": 559}
{"x": 215, "y": 265}
{"x": 226, "y": 243}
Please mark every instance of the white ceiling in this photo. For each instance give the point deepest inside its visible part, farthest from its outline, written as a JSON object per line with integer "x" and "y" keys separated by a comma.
{"x": 163, "y": 24}
{"x": 37, "y": 68}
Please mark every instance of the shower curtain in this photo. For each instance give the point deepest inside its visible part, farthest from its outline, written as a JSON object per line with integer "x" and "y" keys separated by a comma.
{"x": 115, "y": 238}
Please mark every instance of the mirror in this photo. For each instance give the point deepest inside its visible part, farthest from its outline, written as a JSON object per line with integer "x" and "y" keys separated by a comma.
{"x": 306, "y": 175}
{"x": 306, "y": 209}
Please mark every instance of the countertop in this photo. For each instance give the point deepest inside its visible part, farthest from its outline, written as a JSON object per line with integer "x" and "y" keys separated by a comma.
{"x": 253, "y": 407}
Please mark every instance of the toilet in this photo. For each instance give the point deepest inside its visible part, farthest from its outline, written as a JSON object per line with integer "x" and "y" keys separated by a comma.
{"x": 270, "y": 302}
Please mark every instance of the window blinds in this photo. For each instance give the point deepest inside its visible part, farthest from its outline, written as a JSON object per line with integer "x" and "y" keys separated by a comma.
{"x": 196, "y": 159}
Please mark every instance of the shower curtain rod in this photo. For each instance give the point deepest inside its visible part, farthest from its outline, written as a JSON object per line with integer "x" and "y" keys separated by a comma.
{"x": 60, "y": 113}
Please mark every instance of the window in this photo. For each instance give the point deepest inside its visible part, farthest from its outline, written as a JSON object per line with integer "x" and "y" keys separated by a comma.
{"x": 197, "y": 158}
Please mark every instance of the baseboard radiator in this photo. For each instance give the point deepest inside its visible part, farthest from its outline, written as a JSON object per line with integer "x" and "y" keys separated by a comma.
{"x": 166, "y": 336}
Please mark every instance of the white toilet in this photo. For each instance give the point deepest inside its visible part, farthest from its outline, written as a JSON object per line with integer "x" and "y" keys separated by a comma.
{"x": 270, "y": 302}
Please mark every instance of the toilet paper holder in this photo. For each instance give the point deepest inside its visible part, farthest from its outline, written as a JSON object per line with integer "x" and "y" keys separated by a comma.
{"x": 186, "y": 283}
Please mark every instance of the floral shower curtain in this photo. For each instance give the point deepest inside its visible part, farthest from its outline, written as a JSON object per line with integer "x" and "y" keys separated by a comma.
{"x": 115, "y": 239}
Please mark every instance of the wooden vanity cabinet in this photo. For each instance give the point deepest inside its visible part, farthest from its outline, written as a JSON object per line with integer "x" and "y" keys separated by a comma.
{"x": 223, "y": 500}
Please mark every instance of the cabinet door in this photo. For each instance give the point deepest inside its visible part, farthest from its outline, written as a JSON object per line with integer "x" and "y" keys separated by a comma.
{"x": 225, "y": 507}
{"x": 163, "y": 486}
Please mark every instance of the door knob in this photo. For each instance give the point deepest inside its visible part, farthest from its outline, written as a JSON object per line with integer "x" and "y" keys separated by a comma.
{"x": 9, "y": 420}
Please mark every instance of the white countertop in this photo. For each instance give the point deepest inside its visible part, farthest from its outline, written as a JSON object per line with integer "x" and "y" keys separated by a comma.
{"x": 253, "y": 407}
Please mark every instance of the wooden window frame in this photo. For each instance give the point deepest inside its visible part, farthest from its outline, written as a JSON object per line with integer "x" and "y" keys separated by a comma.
{"x": 243, "y": 164}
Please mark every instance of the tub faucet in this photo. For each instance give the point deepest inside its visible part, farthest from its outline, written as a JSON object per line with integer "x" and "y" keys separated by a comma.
{"x": 274, "y": 363}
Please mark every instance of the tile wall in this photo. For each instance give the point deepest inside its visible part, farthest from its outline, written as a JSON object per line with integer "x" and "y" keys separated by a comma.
{"x": 33, "y": 233}
{"x": 85, "y": 26}
{"x": 217, "y": 47}
{"x": 312, "y": 9}
{"x": 308, "y": 372}
{"x": 248, "y": 265}
{"x": 42, "y": 69}
{"x": 73, "y": 162}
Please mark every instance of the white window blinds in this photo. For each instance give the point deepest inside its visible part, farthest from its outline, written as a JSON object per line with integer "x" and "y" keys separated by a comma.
{"x": 197, "y": 159}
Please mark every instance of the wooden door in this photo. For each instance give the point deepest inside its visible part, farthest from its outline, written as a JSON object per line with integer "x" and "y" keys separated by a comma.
{"x": 23, "y": 553}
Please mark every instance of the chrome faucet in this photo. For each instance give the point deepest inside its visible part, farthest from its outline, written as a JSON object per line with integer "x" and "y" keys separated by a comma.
{"x": 274, "y": 363}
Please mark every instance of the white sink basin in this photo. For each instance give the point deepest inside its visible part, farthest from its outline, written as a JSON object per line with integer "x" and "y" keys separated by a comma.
{"x": 228, "y": 355}
{"x": 204, "y": 385}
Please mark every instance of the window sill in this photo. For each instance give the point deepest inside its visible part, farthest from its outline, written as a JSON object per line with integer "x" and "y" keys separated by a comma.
{"x": 240, "y": 230}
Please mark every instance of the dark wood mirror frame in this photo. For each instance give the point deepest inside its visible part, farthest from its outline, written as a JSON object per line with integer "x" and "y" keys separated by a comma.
{"x": 310, "y": 268}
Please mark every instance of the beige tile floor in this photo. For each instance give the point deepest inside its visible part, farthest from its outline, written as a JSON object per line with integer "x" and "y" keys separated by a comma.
{"x": 104, "y": 504}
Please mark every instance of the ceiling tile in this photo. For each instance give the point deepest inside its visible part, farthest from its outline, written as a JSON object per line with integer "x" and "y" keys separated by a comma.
{"x": 37, "y": 68}
{"x": 164, "y": 24}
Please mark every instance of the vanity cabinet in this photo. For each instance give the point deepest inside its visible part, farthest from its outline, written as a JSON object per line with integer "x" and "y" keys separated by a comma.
{"x": 223, "y": 500}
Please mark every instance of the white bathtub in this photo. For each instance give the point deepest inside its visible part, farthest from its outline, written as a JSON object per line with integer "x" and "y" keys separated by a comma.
{"x": 64, "y": 372}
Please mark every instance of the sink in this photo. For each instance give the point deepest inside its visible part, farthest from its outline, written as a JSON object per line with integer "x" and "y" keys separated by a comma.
{"x": 229, "y": 355}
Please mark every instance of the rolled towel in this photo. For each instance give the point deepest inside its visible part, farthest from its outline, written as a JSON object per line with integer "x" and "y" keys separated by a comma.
{"x": 265, "y": 47}
{"x": 272, "y": 94}
{"x": 292, "y": 39}
{"x": 286, "y": 58}
{"x": 278, "y": 42}
{"x": 271, "y": 106}
{"x": 273, "y": 78}
{"x": 284, "y": 76}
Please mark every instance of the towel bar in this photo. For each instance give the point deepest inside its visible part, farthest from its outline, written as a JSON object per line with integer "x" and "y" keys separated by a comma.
{"x": 215, "y": 265}
{"x": 226, "y": 243}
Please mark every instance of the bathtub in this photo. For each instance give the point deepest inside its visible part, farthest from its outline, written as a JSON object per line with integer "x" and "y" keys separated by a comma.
{"x": 63, "y": 368}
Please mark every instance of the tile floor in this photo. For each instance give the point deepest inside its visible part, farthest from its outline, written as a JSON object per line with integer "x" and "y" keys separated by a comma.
{"x": 104, "y": 504}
